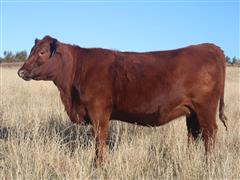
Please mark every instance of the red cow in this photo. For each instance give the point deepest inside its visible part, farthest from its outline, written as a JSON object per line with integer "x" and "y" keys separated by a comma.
{"x": 149, "y": 89}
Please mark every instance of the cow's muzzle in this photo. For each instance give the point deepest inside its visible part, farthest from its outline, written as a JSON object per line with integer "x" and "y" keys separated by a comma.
{"x": 23, "y": 74}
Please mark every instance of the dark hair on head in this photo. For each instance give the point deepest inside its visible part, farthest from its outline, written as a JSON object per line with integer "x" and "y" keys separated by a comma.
{"x": 53, "y": 47}
{"x": 36, "y": 40}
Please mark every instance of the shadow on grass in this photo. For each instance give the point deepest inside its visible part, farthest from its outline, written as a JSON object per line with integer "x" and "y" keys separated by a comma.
{"x": 5, "y": 132}
{"x": 66, "y": 134}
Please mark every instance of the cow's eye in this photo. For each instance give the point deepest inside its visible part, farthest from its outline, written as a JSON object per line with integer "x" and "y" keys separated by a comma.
{"x": 42, "y": 53}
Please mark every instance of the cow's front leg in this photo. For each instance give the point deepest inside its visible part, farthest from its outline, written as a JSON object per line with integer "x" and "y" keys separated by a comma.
{"x": 100, "y": 120}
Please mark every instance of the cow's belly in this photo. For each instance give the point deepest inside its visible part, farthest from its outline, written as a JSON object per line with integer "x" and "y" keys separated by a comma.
{"x": 145, "y": 119}
{"x": 153, "y": 113}
{"x": 146, "y": 116}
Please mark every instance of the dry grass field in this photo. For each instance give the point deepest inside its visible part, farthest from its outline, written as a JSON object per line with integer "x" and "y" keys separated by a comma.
{"x": 38, "y": 141}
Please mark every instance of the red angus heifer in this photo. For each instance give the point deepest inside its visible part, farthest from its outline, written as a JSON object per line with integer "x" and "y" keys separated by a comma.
{"x": 150, "y": 88}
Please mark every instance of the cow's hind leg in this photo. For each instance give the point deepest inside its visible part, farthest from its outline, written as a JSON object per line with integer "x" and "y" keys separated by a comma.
{"x": 193, "y": 127}
{"x": 207, "y": 122}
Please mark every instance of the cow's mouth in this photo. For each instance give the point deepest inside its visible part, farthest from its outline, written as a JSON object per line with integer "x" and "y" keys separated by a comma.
{"x": 36, "y": 78}
{"x": 26, "y": 78}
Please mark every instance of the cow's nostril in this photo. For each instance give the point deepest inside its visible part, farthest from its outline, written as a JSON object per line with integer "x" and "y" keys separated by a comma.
{"x": 21, "y": 73}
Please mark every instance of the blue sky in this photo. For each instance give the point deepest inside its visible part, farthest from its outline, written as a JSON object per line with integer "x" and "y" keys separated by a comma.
{"x": 126, "y": 26}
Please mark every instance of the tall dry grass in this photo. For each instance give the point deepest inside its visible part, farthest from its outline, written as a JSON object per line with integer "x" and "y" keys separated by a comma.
{"x": 37, "y": 140}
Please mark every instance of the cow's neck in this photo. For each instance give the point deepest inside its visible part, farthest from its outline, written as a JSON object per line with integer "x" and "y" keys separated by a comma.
{"x": 71, "y": 55}
{"x": 65, "y": 74}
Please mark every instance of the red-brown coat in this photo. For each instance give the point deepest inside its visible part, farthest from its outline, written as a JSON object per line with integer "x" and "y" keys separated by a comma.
{"x": 150, "y": 88}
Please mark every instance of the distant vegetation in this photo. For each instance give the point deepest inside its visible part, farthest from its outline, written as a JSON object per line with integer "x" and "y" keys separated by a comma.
{"x": 233, "y": 61}
{"x": 21, "y": 56}
{"x": 9, "y": 56}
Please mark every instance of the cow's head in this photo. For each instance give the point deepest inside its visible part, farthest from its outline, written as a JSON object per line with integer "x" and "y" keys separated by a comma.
{"x": 42, "y": 62}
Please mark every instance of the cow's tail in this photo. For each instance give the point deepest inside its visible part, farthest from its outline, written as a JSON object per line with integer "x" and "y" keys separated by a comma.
{"x": 222, "y": 116}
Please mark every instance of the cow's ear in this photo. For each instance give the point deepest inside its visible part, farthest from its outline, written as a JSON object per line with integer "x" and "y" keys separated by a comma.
{"x": 36, "y": 41}
{"x": 53, "y": 47}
